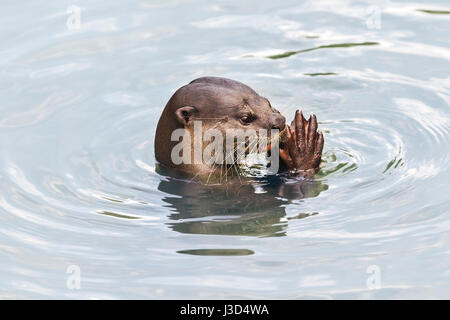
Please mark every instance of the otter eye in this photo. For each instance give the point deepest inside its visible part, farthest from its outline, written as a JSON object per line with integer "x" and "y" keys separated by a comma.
{"x": 246, "y": 119}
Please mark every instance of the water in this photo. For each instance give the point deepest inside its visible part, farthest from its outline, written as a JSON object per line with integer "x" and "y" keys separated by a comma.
{"x": 78, "y": 187}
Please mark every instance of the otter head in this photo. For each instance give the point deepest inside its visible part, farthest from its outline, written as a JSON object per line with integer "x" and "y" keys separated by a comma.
{"x": 218, "y": 105}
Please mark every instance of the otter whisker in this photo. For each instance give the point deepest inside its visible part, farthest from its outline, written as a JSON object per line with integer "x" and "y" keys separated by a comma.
{"x": 215, "y": 165}
{"x": 233, "y": 165}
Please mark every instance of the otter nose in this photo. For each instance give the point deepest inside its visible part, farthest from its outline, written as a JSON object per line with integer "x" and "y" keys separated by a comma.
{"x": 278, "y": 121}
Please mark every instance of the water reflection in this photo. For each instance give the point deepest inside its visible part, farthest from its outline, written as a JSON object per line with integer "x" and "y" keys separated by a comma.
{"x": 218, "y": 252}
{"x": 255, "y": 207}
{"x": 434, "y": 11}
{"x": 332, "y": 46}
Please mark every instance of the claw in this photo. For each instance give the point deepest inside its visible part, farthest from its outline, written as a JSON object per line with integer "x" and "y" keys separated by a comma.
{"x": 300, "y": 131}
{"x": 318, "y": 148}
{"x": 291, "y": 143}
{"x": 312, "y": 134}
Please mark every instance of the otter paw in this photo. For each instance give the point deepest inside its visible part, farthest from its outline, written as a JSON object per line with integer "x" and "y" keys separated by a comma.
{"x": 302, "y": 150}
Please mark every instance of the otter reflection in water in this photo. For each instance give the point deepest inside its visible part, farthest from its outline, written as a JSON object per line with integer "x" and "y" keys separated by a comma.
{"x": 255, "y": 207}
{"x": 202, "y": 180}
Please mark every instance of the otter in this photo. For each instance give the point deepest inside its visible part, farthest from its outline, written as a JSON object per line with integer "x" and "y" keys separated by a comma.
{"x": 227, "y": 105}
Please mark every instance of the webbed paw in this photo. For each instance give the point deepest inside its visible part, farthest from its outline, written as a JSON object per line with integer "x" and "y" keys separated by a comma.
{"x": 303, "y": 144}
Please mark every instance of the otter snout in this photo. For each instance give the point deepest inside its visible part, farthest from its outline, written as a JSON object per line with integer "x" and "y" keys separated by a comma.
{"x": 277, "y": 121}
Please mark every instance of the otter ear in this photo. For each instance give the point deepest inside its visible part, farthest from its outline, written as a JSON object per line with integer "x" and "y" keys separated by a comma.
{"x": 184, "y": 114}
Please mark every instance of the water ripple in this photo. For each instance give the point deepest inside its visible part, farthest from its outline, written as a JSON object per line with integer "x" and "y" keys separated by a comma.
{"x": 79, "y": 184}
